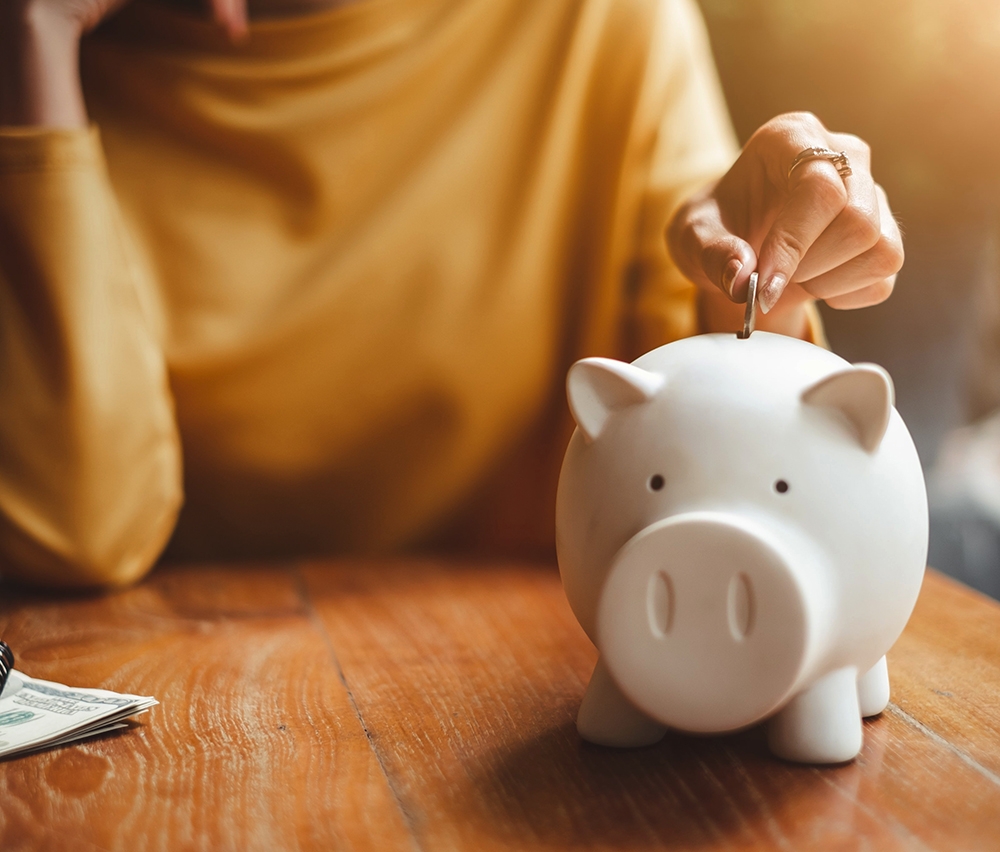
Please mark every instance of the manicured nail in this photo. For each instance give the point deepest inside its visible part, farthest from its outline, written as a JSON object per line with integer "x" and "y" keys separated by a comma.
{"x": 771, "y": 292}
{"x": 729, "y": 275}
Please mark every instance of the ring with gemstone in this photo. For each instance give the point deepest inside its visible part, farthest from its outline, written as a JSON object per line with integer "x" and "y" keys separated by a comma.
{"x": 838, "y": 158}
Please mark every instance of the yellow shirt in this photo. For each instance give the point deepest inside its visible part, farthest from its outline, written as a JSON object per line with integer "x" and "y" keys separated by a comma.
{"x": 331, "y": 279}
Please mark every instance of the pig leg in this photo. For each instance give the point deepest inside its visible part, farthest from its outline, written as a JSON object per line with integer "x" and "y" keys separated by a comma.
{"x": 822, "y": 724}
{"x": 608, "y": 718}
{"x": 873, "y": 689}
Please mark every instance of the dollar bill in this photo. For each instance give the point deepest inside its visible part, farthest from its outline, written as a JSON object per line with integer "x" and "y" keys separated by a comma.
{"x": 37, "y": 714}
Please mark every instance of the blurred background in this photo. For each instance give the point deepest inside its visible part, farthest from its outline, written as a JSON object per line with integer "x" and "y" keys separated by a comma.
{"x": 920, "y": 81}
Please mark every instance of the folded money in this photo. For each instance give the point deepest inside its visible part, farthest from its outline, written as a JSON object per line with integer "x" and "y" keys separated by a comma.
{"x": 37, "y": 714}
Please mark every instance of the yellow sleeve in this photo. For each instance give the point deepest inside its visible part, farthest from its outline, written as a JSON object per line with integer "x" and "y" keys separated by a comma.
{"x": 90, "y": 480}
{"x": 694, "y": 144}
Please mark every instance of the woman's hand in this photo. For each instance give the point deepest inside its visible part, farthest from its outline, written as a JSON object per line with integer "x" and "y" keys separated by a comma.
{"x": 39, "y": 55}
{"x": 811, "y": 234}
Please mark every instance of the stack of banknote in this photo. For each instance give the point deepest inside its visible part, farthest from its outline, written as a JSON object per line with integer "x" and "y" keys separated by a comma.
{"x": 38, "y": 714}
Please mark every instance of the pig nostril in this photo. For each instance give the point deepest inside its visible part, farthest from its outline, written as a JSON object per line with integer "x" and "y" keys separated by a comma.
{"x": 656, "y": 482}
{"x": 660, "y": 604}
{"x": 740, "y": 607}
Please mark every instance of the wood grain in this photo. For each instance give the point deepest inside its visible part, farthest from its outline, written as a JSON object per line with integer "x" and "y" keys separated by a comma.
{"x": 950, "y": 660}
{"x": 469, "y": 681}
{"x": 425, "y": 705}
{"x": 255, "y": 745}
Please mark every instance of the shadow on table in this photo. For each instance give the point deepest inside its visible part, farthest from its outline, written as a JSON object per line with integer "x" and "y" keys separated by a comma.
{"x": 78, "y": 763}
{"x": 683, "y": 792}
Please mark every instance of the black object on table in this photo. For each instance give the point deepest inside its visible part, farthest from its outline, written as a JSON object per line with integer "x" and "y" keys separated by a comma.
{"x": 6, "y": 663}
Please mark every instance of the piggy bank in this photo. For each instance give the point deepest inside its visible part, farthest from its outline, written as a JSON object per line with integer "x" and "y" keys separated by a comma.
{"x": 742, "y": 532}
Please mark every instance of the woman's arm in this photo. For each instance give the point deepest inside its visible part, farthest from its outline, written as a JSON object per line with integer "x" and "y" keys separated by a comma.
{"x": 90, "y": 470}
{"x": 39, "y": 58}
{"x": 90, "y": 475}
{"x": 40, "y": 51}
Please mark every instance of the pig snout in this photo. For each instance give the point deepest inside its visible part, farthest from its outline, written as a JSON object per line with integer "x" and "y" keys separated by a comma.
{"x": 706, "y": 620}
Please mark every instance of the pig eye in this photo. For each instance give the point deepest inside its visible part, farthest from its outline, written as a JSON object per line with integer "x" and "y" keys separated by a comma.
{"x": 781, "y": 486}
{"x": 655, "y": 482}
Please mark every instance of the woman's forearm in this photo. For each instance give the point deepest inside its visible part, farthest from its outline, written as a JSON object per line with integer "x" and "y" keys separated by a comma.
{"x": 39, "y": 67}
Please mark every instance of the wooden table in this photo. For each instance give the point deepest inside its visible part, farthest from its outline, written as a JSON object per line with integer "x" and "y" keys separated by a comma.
{"x": 430, "y": 706}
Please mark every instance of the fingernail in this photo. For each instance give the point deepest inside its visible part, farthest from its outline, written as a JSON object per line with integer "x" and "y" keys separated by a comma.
{"x": 771, "y": 292}
{"x": 729, "y": 275}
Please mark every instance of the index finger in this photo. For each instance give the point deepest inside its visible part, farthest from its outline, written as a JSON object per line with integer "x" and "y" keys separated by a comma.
{"x": 817, "y": 195}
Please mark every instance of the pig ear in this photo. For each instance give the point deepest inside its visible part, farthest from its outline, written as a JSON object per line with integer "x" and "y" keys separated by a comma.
{"x": 863, "y": 394}
{"x": 598, "y": 387}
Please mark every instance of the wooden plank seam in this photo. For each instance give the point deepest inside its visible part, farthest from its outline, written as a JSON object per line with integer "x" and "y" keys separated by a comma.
{"x": 317, "y": 622}
{"x": 941, "y": 741}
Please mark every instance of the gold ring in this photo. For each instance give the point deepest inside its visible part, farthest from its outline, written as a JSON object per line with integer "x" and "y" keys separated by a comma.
{"x": 839, "y": 160}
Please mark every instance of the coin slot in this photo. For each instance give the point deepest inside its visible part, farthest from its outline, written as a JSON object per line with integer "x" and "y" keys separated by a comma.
{"x": 660, "y": 604}
{"x": 740, "y": 607}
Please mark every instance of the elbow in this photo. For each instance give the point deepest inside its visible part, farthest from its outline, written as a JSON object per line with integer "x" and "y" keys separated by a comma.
{"x": 88, "y": 554}
{"x": 120, "y": 560}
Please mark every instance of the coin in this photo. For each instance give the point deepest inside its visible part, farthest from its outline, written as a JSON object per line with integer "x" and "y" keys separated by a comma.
{"x": 750, "y": 314}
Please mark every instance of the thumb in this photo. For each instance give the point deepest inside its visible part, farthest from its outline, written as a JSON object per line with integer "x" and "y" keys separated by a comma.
{"x": 708, "y": 253}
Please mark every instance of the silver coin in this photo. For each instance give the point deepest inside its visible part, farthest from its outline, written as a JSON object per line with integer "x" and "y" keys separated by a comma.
{"x": 750, "y": 314}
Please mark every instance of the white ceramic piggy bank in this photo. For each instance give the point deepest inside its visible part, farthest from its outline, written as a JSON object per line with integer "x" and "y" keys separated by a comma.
{"x": 742, "y": 532}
